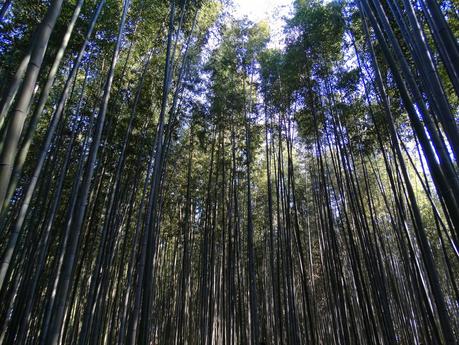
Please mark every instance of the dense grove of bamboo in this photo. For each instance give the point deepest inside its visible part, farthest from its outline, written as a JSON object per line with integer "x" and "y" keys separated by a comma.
{"x": 167, "y": 177}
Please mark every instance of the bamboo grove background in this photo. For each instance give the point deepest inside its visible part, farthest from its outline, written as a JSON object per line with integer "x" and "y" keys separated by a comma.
{"x": 168, "y": 176}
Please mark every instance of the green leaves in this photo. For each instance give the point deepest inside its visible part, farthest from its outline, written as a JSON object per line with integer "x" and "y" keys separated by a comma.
{"x": 316, "y": 30}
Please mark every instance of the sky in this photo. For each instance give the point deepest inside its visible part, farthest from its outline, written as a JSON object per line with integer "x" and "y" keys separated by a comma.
{"x": 271, "y": 10}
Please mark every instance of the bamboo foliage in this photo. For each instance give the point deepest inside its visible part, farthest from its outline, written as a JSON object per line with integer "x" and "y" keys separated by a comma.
{"x": 168, "y": 177}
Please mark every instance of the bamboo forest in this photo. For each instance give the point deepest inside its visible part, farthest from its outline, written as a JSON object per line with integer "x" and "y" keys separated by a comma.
{"x": 182, "y": 172}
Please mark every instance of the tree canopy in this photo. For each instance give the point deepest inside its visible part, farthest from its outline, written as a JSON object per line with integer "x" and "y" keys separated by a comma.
{"x": 171, "y": 175}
